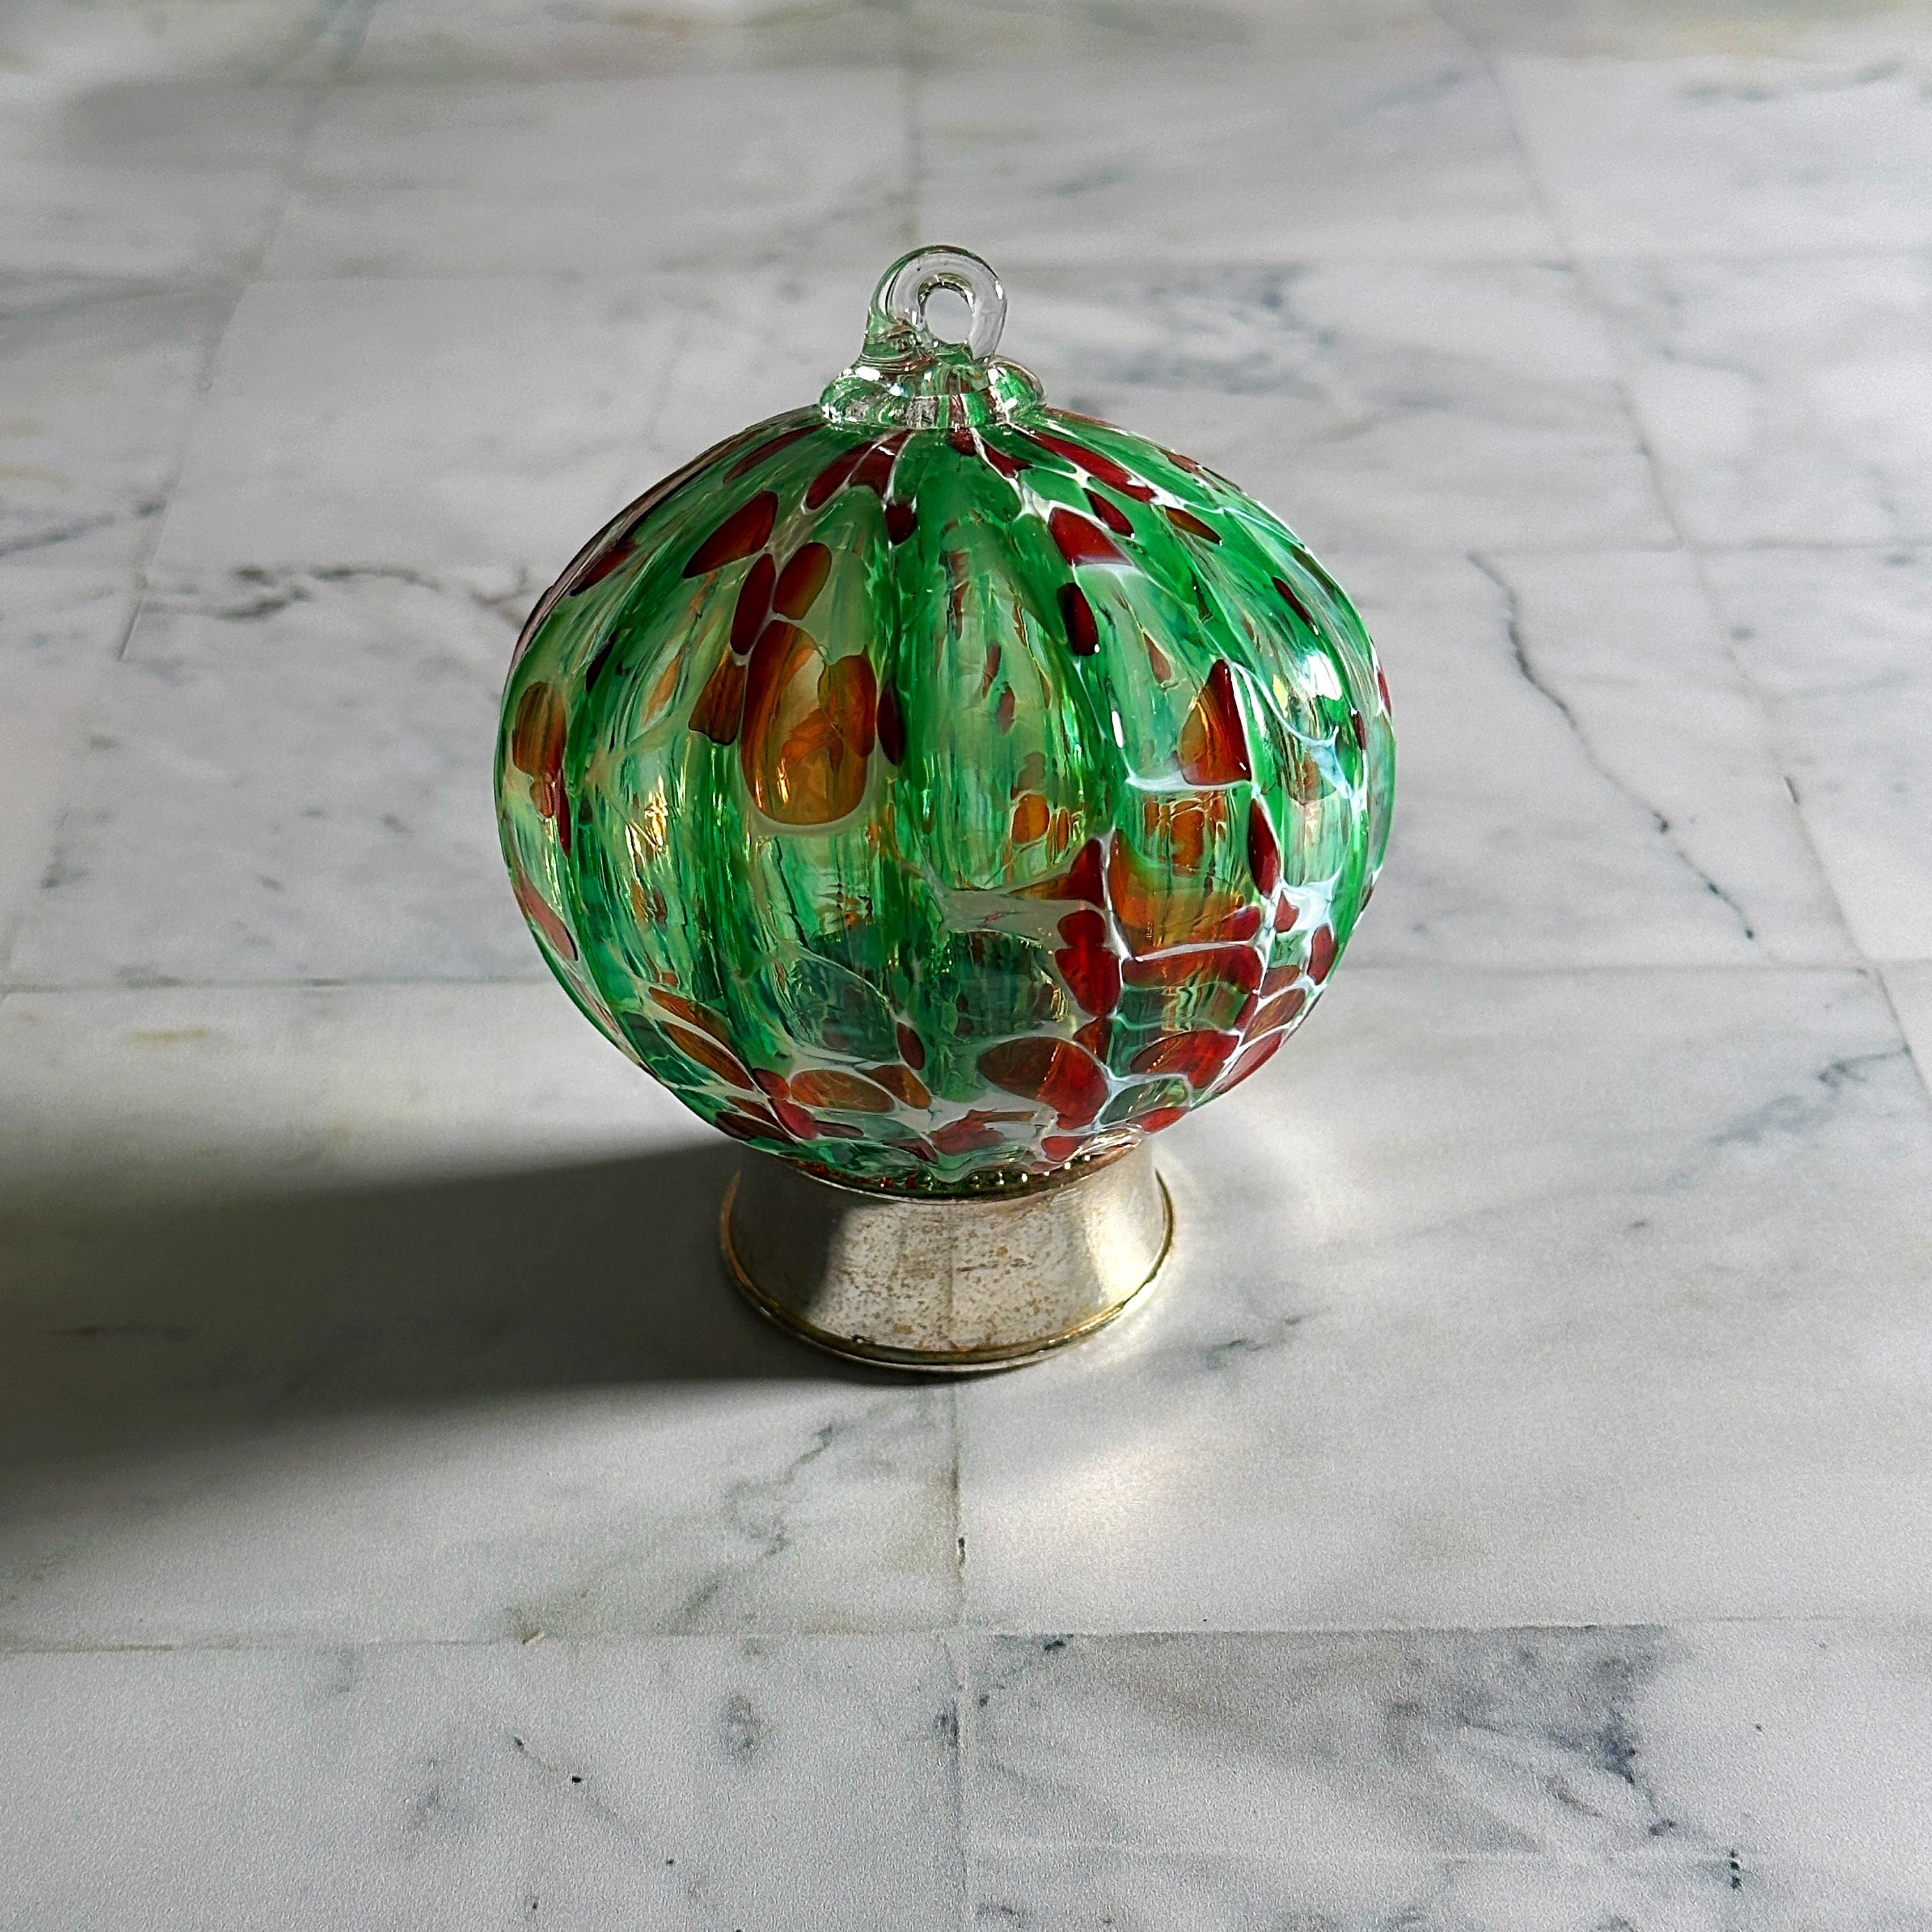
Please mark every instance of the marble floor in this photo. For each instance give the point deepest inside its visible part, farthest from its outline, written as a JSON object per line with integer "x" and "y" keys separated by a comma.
{"x": 1515, "y": 1515}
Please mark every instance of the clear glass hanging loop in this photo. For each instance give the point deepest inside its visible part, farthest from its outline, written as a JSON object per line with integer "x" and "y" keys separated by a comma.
{"x": 909, "y": 283}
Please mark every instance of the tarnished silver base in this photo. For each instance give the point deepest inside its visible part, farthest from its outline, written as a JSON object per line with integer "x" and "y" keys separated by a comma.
{"x": 976, "y": 1283}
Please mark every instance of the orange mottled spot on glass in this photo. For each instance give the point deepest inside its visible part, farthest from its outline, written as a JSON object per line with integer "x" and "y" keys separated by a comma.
{"x": 542, "y": 916}
{"x": 709, "y": 1055}
{"x": 721, "y": 704}
{"x": 901, "y": 1082}
{"x": 537, "y": 739}
{"x": 1213, "y": 742}
{"x": 843, "y": 1093}
{"x": 1031, "y": 816}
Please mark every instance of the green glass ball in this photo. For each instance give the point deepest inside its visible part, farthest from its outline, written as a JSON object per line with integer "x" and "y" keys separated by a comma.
{"x": 939, "y": 789}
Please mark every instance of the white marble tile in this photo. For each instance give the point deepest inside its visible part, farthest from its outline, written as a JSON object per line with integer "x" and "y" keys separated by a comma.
{"x": 1647, "y": 31}
{"x": 1503, "y": 1298}
{"x": 186, "y": 1093}
{"x": 1532, "y": 1781}
{"x": 289, "y": 778}
{"x": 48, "y": 49}
{"x": 146, "y": 178}
{"x": 1760, "y": 155}
{"x": 1910, "y": 983}
{"x": 369, "y": 1314}
{"x": 695, "y": 1786}
{"x": 1403, "y": 407}
{"x": 99, "y": 385}
{"x": 1398, "y": 150}
{"x": 416, "y": 423}
{"x": 1786, "y": 402}
{"x": 1584, "y": 779}
{"x": 59, "y": 630}
{"x": 1836, "y": 642}
{"x": 600, "y": 40}
{"x": 588, "y": 177}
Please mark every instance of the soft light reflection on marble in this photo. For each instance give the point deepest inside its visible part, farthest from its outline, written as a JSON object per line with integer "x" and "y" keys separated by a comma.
{"x": 380, "y": 1451}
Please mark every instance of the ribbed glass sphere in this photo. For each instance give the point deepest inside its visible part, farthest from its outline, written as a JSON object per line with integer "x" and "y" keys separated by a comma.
{"x": 939, "y": 789}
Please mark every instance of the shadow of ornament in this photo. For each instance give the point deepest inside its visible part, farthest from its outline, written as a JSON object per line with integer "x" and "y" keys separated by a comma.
{"x": 942, "y": 794}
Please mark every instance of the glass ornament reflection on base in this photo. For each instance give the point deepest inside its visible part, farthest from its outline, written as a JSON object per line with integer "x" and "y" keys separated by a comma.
{"x": 942, "y": 793}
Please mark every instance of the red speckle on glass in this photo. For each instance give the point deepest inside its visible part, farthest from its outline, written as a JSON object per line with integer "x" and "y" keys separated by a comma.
{"x": 1076, "y": 618}
{"x": 1054, "y": 1071}
{"x": 1003, "y": 711}
{"x": 1286, "y": 914}
{"x": 1263, "y": 854}
{"x": 1081, "y": 540}
{"x": 891, "y": 726}
{"x": 832, "y": 478}
{"x": 1188, "y": 524}
{"x": 542, "y": 917}
{"x": 1115, "y": 518}
{"x": 801, "y": 579}
{"x": 1156, "y": 1118}
{"x": 1199, "y": 1055}
{"x": 1086, "y": 877}
{"x": 912, "y": 1049}
{"x": 1096, "y": 1035}
{"x": 601, "y": 566}
{"x": 753, "y": 458}
{"x": 971, "y": 1134}
{"x": 1382, "y": 688}
{"x": 1062, "y": 1147}
{"x": 743, "y": 533}
{"x": 1157, "y": 661}
{"x": 1089, "y": 965}
{"x": 1321, "y": 953}
{"x": 776, "y": 1084}
{"x": 1198, "y": 965}
{"x": 796, "y": 1121}
{"x": 874, "y": 470}
{"x": 1361, "y": 730}
{"x": 1257, "y": 1055}
{"x": 900, "y": 522}
{"x": 1294, "y": 603}
{"x": 747, "y": 1127}
{"x": 708, "y": 1054}
{"x": 1280, "y": 1010}
{"x": 1091, "y": 460}
{"x": 754, "y": 605}
{"x": 1213, "y": 744}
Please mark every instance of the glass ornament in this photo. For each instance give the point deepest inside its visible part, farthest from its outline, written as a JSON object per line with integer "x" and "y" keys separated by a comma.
{"x": 938, "y": 790}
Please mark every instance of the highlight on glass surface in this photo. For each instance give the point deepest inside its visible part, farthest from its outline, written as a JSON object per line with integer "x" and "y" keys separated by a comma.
{"x": 939, "y": 789}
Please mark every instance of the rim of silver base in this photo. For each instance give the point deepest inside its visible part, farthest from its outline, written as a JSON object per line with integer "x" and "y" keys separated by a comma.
{"x": 926, "y": 1361}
